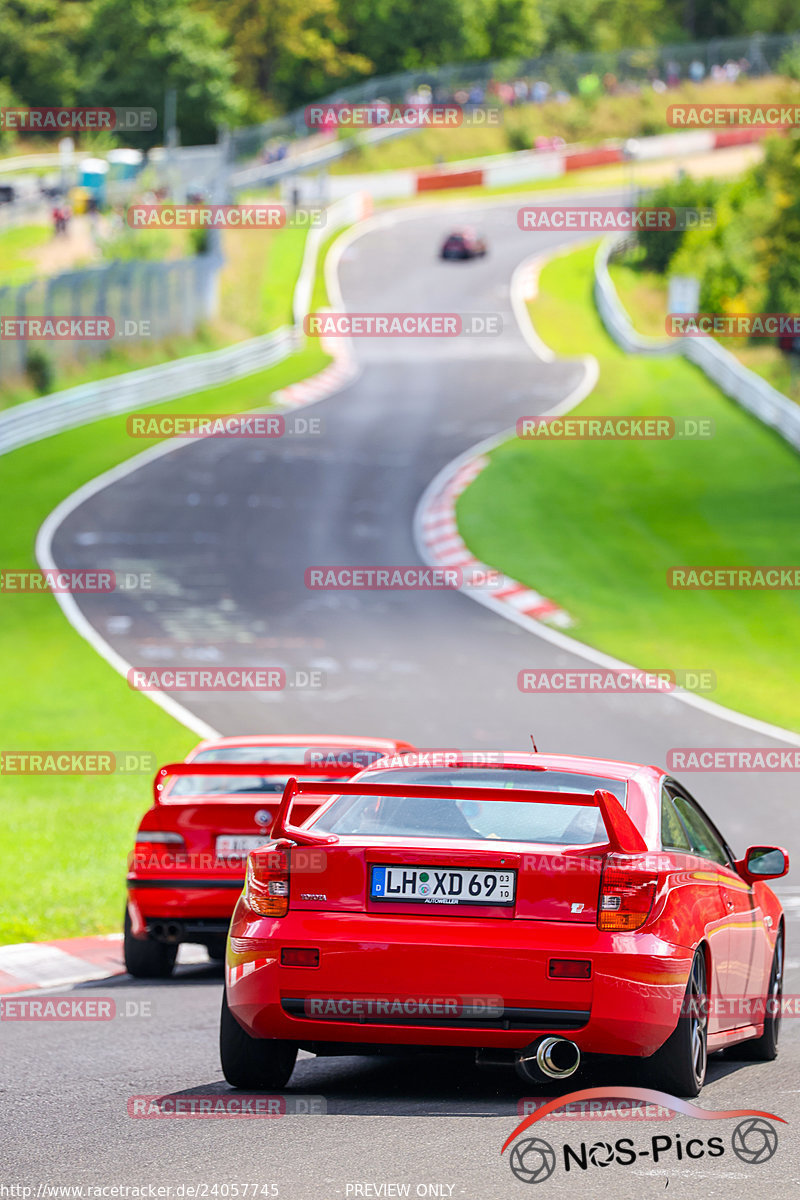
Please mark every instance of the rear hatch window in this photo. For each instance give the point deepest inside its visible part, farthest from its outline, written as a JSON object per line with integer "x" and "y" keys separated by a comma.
{"x": 510, "y": 821}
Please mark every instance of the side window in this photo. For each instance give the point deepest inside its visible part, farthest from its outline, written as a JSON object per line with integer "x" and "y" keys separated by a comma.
{"x": 673, "y": 835}
{"x": 704, "y": 840}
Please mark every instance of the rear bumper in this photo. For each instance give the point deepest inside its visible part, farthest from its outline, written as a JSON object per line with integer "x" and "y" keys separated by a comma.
{"x": 390, "y": 981}
{"x": 185, "y": 899}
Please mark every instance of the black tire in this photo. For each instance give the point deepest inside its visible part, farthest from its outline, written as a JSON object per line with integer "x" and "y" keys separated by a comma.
{"x": 146, "y": 959}
{"x": 765, "y": 1048}
{"x": 216, "y": 948}
{"x": 679, "y": 1067}
{"x": 254, "y": 1064}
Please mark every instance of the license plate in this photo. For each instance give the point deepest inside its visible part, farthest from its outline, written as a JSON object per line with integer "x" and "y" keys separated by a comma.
{"x": 442, "y": 885}
{"x": 230, "y": 846}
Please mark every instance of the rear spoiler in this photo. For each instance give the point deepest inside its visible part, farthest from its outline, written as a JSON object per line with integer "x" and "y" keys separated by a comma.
{"x": 622, "y": 833}
{"x": 233, "y": 768}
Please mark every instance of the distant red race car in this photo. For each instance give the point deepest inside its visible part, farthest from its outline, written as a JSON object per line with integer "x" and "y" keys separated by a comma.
{"x": 463, "y": 243}
{"x": 189, "y": 862}
{"x": 530, "y": 912}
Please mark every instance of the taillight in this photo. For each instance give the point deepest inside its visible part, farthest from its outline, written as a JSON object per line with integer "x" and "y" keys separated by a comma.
{"x": 156, "y": 848}
{"x": 155, "y": 837}
{"x": 266, "y": 888}
{"x": 626, "y": 895}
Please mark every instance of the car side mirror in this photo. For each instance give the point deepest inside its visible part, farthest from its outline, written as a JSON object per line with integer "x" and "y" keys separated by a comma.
{"x": 763, "y": 862}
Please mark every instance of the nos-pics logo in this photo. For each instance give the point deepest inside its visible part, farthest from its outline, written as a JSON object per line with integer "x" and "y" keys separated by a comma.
{"x": 754, "y": 1139}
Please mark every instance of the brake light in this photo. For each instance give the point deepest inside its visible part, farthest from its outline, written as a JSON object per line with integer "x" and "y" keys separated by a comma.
{"x": 266, "y": 888}
{"x": 627, "y": 893}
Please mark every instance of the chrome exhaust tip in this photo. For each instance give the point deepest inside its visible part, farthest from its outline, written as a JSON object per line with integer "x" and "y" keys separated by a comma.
{"x": 548, "y": 1058}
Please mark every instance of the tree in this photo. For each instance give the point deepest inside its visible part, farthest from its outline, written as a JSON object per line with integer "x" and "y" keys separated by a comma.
{"x": 39, "y": 43}
{"x": 291, "y": 50}
{"x": 135, "y": 50}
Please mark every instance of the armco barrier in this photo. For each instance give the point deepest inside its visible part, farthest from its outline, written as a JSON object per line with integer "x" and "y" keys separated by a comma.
{"x": 525, "y": 166}
{"x": 37, "y": 419}
{"x": 749, "y": 390}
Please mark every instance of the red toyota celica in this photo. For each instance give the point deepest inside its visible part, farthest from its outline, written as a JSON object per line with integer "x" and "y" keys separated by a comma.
{"x": 534, "y": 911}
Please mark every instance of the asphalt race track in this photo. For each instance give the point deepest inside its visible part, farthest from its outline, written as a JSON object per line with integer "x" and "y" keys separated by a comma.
{"x": 228, "y": 529}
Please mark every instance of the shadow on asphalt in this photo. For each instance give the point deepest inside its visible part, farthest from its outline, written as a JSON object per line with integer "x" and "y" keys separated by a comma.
{"x": 412, "y": 1085}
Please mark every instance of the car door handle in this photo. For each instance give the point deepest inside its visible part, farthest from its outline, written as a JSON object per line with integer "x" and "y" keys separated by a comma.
{"x": 729, "y": 903}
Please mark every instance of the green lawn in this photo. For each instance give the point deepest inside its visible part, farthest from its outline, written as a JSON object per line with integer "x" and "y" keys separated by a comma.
{"x": 596, "y": 525}
{"x": 17, "y": 247}
{"x": 64, "y": 840}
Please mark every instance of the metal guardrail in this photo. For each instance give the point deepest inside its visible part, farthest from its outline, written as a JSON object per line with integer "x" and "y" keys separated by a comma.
{"x": 37, "y": 419}
{"x": 76, "y": 406}
{"x": 749, "y": 390}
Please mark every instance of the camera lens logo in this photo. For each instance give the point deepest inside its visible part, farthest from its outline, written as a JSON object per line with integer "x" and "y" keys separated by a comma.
{"x": 754, "y": 1140}
{"x": 533, "y": 1160}
{"x": 601, "y": 1154}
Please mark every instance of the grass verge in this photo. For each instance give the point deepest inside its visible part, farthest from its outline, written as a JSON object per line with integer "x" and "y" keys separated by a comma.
{"x": 64, "y": 839}
{"x": 18, "y": 247}
{"x": 597, "y": 525}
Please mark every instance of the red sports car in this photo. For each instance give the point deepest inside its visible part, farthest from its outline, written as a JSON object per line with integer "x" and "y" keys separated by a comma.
{"x": 532, "y": 912}
{"x": 208, "y": 813}
{"x": 463, "y": 243}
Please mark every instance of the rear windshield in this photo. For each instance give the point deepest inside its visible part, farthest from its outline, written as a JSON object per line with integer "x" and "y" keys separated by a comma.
{"x": 512, "y": 821}
{"x": 248, "y": 785}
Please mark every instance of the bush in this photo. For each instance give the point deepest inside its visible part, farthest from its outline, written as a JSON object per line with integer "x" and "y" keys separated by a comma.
{"x": 39, "y": 369}
{"x": 660, "y": 246}
{"x": 518, "y": 138}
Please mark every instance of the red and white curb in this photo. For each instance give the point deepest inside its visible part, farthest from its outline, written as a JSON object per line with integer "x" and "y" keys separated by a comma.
{"x": 330, "y": 379}
{"x": 62, "y": 963}
{"x": 31, "y": 965}
{"x": 442, "y": 545}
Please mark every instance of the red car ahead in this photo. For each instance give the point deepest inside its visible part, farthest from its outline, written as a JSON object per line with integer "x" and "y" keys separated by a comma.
{"x": 208, "y": 813}
{"x": 463, "y": 243}
{"x": 594, "y": 901}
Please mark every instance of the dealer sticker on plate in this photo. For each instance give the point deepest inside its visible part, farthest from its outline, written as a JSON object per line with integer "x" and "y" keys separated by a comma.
{"x": 442, "y": 885}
